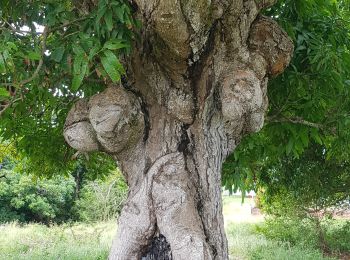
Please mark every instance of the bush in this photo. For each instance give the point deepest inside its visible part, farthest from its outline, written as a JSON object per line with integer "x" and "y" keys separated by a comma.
{"x": 246, "y": 243}
{"x": 102, "y": 200}
{"x": 337, "y": 235}
{"x": 24, "y": 198}
{"x": 297, "y": 232}
{"x": 333, "y": 236}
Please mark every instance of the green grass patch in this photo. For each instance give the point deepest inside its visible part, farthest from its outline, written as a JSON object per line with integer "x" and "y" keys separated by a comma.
{"x": 246, "y": 243}
{"x": 39, "y": 242}
{"x": 249, "y": 238}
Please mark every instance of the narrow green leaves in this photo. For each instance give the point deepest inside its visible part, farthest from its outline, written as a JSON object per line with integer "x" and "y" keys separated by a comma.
{"x": 57, "y": 54}
{"x": 80, "y": 69}
{"x": 109, "y": 19}
{"x": 112, "y": 65}
{"x": 115, "y": 44}
{"x": 2, "y": 64}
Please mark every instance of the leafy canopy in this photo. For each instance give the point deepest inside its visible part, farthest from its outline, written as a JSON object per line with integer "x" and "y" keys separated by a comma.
{"x": 52, "y": 53}
{"x": 309, "y": 102}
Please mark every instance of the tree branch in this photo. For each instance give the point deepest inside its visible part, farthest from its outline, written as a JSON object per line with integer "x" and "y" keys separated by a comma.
{"x": 7, "y": 105}
{"x": 295, "y": 120}
{"x": 300, "y": 121}
{"x": 24, "y": 33}
{"x": 69, "y": 23}
{"x": 16, "y": 30}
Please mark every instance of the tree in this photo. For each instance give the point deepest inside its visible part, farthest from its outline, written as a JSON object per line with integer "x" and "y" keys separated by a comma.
{"x": 194, "y": 84}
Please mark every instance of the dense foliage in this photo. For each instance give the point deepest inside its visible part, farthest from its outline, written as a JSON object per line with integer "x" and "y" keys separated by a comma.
{"x": 52, "y": 53}
{"x": 25, "y": 197}
{"x": 305, "y": 186}
{"x": 309, "y": 106}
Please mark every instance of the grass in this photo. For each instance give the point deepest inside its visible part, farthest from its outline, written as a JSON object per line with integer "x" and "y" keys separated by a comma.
{"x": 38, "y": 242}
{"x": 246, "y": 243}
{"x": 92, "y": 241}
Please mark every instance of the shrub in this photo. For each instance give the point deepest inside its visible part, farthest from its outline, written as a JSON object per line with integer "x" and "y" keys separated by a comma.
{"x": 337, "y": 235}
{"x": 297, "y": 232}
{"x": 331, "y": 235}
{"x": 102, "y": 200}
{"x": 25, "y": 198}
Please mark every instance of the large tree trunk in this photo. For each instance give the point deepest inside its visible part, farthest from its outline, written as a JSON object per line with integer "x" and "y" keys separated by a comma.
{"x": 196, "y": 83}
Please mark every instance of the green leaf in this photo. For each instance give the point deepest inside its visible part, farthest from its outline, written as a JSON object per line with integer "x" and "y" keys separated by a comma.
{"x": 100, "y": 13}
{"x": 12, "y": 45}
{"x": 289, "y": 146}
{"x": 120, "y": 13}
{"x": 80, "y": 67}
{"x": 304, "y": 139}
{"x": 112, "y": 65}
{"x": 78, "y": 50}
{"x": 34, "y": 55}
{"x": 109, "y": 19}
{"x": 316, "y": 136}
{"x": 93, "y": 52}
{"x": 2, "y": 64}
{"x": 115, "y": 44}
{"x": 57, "y": 54}
{"x": 4, "y": 92}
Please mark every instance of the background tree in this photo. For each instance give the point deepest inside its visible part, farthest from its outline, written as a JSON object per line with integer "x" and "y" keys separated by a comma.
{"x": 195, "y": 83}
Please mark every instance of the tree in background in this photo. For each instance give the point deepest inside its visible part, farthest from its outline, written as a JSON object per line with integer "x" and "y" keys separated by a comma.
{"x": 78, "y": 196}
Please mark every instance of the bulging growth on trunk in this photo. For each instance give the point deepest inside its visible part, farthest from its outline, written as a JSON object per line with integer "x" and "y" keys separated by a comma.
{"x": 196, "y": 83}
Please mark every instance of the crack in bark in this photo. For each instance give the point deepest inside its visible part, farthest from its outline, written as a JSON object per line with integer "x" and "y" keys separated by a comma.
{"x": 144, "y": 108}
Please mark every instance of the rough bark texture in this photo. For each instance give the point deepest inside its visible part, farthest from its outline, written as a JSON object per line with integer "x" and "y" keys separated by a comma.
{"x": 196, "y": 84}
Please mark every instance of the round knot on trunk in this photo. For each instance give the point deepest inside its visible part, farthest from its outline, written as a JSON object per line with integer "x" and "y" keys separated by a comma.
{"x": 111, "y": 121}
{"x": 78, "y": 131}
{"x": 272, "y": 42}
{"x": 243, "y": 102}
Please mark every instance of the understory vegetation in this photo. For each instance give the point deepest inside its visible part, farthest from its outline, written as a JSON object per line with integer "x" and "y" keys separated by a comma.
{"x": 290, "y": 240}
{"x": 25, "y": 198}
{"x": 246, "y": 241}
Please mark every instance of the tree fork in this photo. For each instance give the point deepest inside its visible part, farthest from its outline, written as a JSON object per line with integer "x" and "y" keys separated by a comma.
{"x": 196, "y": 83}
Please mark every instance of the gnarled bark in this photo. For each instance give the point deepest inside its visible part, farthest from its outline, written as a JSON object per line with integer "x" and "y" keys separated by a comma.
{"x": 196, "y": 84}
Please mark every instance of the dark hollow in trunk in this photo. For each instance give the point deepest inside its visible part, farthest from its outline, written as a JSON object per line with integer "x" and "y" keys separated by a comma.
{"x": 158, "y": 250}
